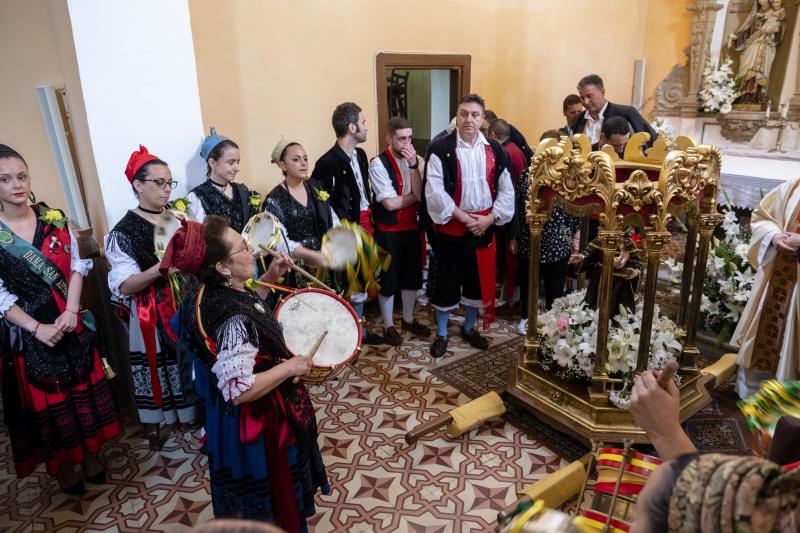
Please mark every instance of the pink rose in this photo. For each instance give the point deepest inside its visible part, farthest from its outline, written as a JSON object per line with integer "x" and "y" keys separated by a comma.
{"x": 562, "y": 325}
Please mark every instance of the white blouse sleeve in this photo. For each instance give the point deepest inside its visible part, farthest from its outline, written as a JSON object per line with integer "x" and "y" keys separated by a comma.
{"x": 196, "y": 207}
{"x": 503, "y": 208}
{"x": 236, "y": 356}
{"x": 81, "y": 266}
{"x": 123, "y": 266}
{"x": 440, "y": 204}
{"x": 379, "y": 180}
{"x": 7, "y": 299}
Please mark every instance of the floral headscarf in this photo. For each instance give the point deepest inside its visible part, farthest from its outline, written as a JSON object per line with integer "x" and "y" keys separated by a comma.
{"x": 721, "y": 493}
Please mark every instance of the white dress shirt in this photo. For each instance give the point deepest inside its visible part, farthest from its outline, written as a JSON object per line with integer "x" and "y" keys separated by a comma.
{"x": 363, "y": 200}
{"x": 381, "y": 183}
{"x": 475, "y": 193}
{"x": 593, "y": 127}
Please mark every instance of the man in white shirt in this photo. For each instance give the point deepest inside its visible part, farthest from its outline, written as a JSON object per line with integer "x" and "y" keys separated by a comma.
{"x": 396, "y": 186}
{"x": 468, "y": 191}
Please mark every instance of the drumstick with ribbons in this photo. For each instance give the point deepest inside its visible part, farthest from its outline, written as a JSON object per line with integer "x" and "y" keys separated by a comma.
{"x": 296, "y": 268}
{"x": 313, "y": 351}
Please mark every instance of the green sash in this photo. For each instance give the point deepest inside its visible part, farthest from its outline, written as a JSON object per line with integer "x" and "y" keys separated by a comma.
{"x": 34, "y": 259}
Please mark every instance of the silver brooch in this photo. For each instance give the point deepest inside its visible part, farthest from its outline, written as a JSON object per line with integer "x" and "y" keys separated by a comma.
{"x": 259, "y": 307}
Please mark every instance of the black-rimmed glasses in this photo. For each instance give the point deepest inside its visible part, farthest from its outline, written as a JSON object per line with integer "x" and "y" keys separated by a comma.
{"x": 162, "y": 184}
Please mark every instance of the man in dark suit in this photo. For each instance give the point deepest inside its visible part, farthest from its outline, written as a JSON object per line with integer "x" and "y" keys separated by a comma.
{"x": 593, "y": 96}
{"x": 343, "y": 172}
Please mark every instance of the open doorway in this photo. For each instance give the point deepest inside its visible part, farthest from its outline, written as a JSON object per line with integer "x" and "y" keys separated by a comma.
{"x": 423, "y": 88}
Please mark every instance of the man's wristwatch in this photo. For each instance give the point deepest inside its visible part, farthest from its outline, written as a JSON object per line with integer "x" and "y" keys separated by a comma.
{"x": 415, "y": 165}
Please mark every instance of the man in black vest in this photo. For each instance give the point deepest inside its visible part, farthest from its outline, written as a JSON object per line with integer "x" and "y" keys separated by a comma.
{"x": 590, "y": 123}
{"x": 468, "y": 191}
{"x": 343, "y": 172}
{"x": 396, "y": 188}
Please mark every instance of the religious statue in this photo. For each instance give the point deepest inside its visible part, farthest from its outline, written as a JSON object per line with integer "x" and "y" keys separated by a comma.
{"x": 756, "y": 41}
{"x": 627, "y": 269}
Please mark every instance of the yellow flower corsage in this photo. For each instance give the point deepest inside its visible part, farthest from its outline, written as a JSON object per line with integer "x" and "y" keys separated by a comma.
{"x": 322, "y": 195}
{"x": 255, "y": 200}
{"x": 179, "y": 204}
{"x": 53, "y": 217}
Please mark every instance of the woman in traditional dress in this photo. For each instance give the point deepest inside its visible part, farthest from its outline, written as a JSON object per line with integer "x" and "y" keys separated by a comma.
{"x": 301, "y": 205}
{"x": 261, "y": 432}
{"x": 220, "y": 194}
{"x": 57, "y": 402}
{"x": 160, "y": 391}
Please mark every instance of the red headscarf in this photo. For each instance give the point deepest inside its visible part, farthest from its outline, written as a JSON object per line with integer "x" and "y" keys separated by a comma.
{"x": 137, "y": 160}
{"x": 186, "y": 249}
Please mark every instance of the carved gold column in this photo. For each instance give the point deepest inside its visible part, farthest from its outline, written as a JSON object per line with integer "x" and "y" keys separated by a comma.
{"x": 656, "y": 240}
{"x": 705, "y": 14}
{"x": 706, "y": 223}
{"x": 530, "y": 356}
{"x": 688, "y": 266}
{"x": 609, "y": 241}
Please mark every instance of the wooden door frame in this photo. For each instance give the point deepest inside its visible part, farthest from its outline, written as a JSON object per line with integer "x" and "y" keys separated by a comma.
{"x": 458, "y": 62}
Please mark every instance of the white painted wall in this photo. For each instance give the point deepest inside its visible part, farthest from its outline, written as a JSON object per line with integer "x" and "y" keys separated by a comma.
{"x": 138, "y": 74}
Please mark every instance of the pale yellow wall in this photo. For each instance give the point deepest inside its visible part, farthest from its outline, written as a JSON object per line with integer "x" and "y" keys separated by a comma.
{"x": 268, "y": 68}
{"x": 667, "y": 31}
{"x": 29, "y": 58}
{"x": 38, "y": 50}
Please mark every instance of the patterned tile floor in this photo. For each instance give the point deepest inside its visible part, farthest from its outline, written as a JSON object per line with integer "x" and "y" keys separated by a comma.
{"x": 378, "y": 482}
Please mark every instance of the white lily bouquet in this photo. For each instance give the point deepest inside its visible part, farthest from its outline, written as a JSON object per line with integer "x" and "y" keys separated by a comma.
{"x": 719, "y": 87}
{"x": 729, "y": 278}
{"x": 568, "y": 335}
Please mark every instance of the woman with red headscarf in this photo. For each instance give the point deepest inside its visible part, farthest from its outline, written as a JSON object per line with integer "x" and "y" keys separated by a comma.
{"x": 143, "y": 292}
{"x": 261, "y": 431}
{"x": 57, "y": 402}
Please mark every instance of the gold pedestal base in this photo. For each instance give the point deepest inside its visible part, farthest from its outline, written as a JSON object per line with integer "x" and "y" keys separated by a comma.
{"x": 567, "y": 407}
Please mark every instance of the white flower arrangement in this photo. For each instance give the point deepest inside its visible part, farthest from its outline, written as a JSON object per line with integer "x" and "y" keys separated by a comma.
{"x": 719, "y": 87}
{"x": 729, "y": 278}
{"x": 568, "y": 336}
{"x": 664, "y": 128}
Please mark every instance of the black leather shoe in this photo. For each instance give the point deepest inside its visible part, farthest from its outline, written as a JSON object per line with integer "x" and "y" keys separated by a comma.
{"x": 98, "y": 478}
{"x": 417, "y": 329}
{"x": 392, "y": 337}
{"x": 475, "y": 339}
{"x": 438, "y": 347}
{"x": 76, "y": 489}
{"x": 370, "y": 339}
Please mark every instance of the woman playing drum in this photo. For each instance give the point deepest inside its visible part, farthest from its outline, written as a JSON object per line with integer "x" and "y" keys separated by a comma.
{"x": 57, "y": 401}
{"x": 220, "y": 194}
{"x": 300, "y": 205}
{"x": 137, "y": 284}
{"x": 264, "y": 461}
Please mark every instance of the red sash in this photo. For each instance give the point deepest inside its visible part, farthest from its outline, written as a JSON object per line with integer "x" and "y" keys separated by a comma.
{"x": 486, "y": 256}
{"x": 148, "y": 312}
{"x": 407, "y": 216}
{"x": 365, "y": 221}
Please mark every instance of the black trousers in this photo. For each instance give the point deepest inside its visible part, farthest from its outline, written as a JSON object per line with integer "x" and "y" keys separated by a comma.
{"x": 552, "y": 278}
{"x": 454, "y": 269}
{"x": 405, "y": 269}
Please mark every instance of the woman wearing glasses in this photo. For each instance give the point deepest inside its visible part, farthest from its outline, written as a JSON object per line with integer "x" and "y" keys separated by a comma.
{"x": 144, "y": 294}
{"x": 219, "y": 194}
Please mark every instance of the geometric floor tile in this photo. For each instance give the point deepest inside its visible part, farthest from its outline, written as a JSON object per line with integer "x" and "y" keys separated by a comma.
{"x": 378, "y": 482}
